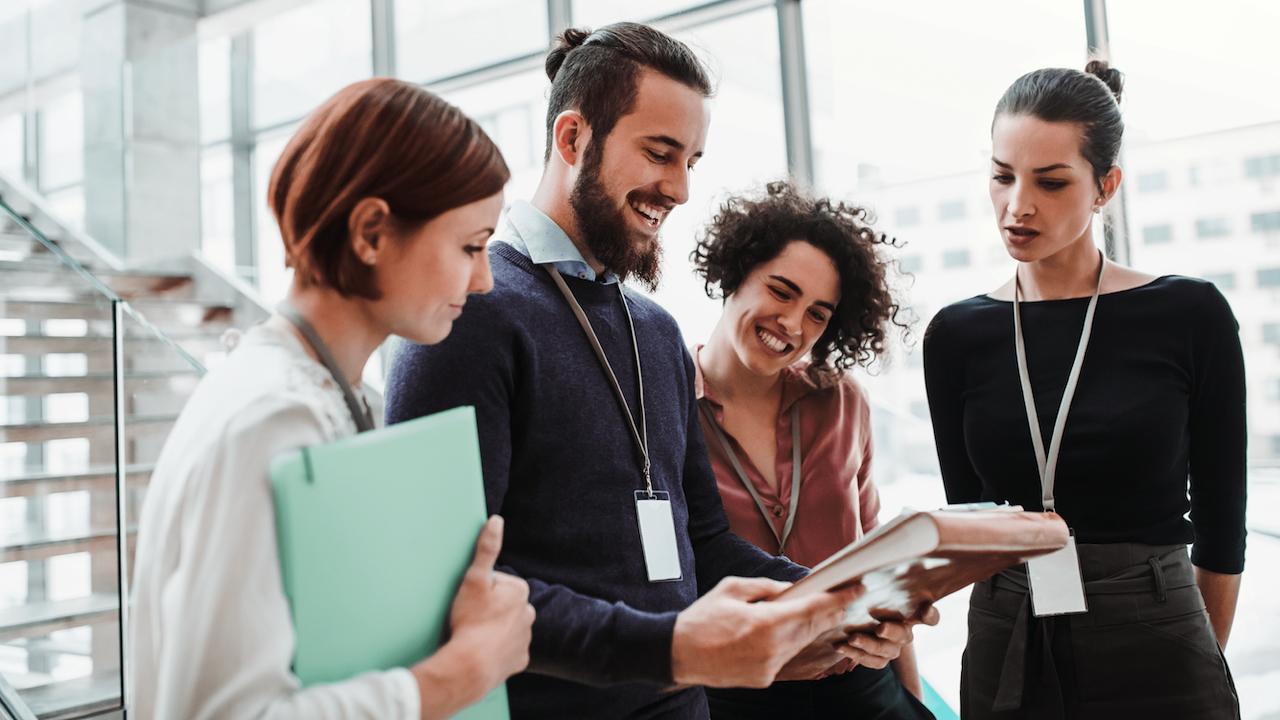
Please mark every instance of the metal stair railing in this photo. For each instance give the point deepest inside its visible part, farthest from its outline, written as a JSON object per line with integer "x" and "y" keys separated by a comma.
{"x": 71, "y": 481}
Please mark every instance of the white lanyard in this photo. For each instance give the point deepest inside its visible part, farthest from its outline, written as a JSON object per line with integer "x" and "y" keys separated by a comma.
{"x": 361, "y": 415}
{"x": 641, "y": 435}
{"x": 1049, "y": 465}
{"x": 742, "y": 475}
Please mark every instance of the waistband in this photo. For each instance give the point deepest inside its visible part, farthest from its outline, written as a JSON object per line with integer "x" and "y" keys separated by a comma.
{"x": 1108, "y": 570}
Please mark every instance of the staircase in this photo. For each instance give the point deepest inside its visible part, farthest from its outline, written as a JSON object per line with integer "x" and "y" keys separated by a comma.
{"x": 96, "y": 362}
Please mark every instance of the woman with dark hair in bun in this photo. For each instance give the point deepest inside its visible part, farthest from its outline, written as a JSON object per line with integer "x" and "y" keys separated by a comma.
{"x": 386, "y": 197}
{"x": 1111, "y": 397}
{"x": 789, "y": 432}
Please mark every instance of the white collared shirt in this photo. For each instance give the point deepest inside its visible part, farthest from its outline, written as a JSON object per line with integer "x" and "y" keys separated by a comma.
{"x": 540, "y": 239}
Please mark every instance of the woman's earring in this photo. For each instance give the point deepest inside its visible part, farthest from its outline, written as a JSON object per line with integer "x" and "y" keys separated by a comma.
{"x": 1097, "y": 204}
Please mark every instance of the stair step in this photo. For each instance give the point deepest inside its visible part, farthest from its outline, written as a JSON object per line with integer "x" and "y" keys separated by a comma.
{"x": 42, "y": 618}
{"x": 98, "y": 344}
{"x": 97, "y": 430}
{"x": 177, "y": 382}
{"x": 94, "y": 479}
{"x": 88, "y": 695}
{"x": 47, "y": 272}
{"x": 213, "y": 317}
{"x": 42, "y": 545}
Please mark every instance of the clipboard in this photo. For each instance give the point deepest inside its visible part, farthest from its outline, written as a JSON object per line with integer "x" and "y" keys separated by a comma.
{"x": 375, "y": 532}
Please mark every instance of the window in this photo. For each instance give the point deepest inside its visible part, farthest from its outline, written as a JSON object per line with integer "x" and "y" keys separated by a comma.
{"x": 1157, "y": 234}
{"x": 951, "y": 210}
{"x": 1265, "y": 166}
{"x": 910, "y": 263}
{"x": 907, "y": 216}
{"x": 1265, "y": 222}
{"x": 920, "y": 409}
{"x": 955, "y": 258}
{"x": 1271, "y": 333}
{"x": 1273, "y": 389}
{"x": 1212, "y": 227}
{"x": 1152, "y": 182}
{"x": 1275, "y": 445}
{"x": 1193, "y": 177}
{"x": 1269, "y": 277}
{"x": 437, "y": 39}
{"x": 1224, "y": 281}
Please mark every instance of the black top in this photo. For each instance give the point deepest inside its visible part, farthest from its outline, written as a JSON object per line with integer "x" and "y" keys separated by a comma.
{"x": 1161, "y": 398}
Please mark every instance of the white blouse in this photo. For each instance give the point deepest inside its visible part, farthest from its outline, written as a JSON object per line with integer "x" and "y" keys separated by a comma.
{"x": 210, "y": 629}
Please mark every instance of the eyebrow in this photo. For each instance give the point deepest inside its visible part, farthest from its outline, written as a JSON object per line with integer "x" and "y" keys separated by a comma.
{"x": 1047, "y": 168}
{"x": 796, "y": 289}
{"x": 672, "y": 142}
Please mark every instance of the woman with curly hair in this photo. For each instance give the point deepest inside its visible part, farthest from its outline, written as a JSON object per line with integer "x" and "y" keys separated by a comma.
{"x": 789, "y": 432}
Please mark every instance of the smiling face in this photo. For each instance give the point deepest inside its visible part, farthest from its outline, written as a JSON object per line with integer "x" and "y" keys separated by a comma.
{"x": 1042, "y": 188}
{"x": 426, "y": 273}
{"x": 629, "y": 184}
{"x": 782, "y": 307}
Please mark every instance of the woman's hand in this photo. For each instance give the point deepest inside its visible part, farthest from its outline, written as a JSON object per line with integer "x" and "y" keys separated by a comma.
{"x": 491, "y": 628}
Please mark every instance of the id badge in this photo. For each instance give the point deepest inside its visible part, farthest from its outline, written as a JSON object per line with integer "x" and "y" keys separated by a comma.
{"x": 658, "y": 536}
{"x": 1056, "y": 585}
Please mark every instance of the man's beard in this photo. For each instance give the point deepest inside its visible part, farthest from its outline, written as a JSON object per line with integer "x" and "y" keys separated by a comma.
{"x": 616, "y": 245}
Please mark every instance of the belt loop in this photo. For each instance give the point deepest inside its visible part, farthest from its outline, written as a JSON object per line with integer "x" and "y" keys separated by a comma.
{"x": 1161, "y": 593}
{"x": 990, "y": 587}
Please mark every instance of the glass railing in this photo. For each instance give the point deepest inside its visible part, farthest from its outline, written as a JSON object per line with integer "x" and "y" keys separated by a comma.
{"x": 90, "y": 387}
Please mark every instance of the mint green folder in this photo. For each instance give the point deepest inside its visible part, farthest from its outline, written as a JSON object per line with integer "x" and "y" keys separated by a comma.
{"x": 375, "y": 533}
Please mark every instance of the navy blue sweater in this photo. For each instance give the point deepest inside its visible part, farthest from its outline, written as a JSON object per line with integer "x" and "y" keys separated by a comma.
{"x": 561, "y": 467}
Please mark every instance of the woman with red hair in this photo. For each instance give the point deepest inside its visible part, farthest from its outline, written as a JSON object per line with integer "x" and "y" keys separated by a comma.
{"x": 386, "y": 197}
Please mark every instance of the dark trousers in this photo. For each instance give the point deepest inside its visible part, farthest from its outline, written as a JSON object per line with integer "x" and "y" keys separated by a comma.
{"x": 1145, "y": 648}
{"x": 862, "y": 693}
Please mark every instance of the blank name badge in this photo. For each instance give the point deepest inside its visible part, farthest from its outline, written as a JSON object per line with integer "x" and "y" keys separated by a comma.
{"x": 1056, "y": 585}
{"x": 658, "y": 536}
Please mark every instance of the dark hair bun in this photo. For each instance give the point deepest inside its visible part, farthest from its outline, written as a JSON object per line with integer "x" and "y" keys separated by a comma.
{"x": 1110, "y": 76}
{"x": 561, "y": 47}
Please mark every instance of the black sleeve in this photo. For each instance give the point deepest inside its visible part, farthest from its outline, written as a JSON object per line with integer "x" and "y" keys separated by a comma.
{"x": 944, "y": 384}
{"x": 1218, "y": 436}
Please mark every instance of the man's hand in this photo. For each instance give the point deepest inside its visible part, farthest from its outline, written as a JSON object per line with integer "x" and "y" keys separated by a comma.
{"x": 877, "y": 646}
{"x": 730, "y": 639}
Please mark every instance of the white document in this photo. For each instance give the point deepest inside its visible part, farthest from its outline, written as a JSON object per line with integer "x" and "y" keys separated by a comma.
{"x": 1056, "y": 585}
{"x": 658, "y": 536}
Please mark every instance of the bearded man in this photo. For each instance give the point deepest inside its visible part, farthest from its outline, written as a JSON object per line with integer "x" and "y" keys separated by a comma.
{"x": 589, "y": 434}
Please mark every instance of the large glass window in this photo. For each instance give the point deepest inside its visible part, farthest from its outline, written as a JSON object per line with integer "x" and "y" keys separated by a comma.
{"x": 438, "y": 39}
{"x": 307, "y": 54}
{"x": 595, "y": 13}
{"x": 215, "y": 89}
{"x": 62, "y": 142}
{"x": 11, "y": 145}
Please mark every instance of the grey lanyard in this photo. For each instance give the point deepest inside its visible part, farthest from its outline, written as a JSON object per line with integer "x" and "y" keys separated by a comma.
{"x": 641, "y": 435}
{"x": 742, "y": 475}
{"x": 359, "y": 413}
{"x": 1049, "y": 465}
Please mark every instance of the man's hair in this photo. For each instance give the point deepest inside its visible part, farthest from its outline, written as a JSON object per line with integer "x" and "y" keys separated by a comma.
{"x": 597, "y": 73}
{"x": 378, "y": 138}
{"x": 749, "y": 231}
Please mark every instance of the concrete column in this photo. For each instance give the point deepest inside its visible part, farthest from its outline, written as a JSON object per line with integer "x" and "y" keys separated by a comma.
{"x": 142, "y": 128}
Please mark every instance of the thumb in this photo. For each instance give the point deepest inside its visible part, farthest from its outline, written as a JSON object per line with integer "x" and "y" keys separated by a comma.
{"x": 750, "y": 589}
{"x": 488, "y": 545}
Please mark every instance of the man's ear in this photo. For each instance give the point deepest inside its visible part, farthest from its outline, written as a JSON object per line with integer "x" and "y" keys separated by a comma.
{"x": 369, "y": 222}
{"x": 569, "y": 136}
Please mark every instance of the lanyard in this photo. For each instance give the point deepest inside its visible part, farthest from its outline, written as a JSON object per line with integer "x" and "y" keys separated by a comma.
{"x": 742, "y": 475}
{"x": 641, "y": 435}
{"x": 360, "y": 414}
{"x": 1049, "y": 465}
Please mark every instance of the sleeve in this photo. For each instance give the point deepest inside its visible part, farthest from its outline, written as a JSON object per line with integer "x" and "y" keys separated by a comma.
{"x": 868, "y": 495}
{"x": 719, "y": 552}
{"x": 1218, "y": 437}
{"x": 944, "y": 385}
{"x": 575, "y": 636}
{"x": 229, "y": 633}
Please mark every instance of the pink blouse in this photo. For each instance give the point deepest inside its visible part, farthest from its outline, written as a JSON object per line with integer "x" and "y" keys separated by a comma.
{"x": 838, "y": 502}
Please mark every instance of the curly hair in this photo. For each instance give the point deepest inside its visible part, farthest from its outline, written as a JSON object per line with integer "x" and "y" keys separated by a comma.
{"x": 749, "y": 231}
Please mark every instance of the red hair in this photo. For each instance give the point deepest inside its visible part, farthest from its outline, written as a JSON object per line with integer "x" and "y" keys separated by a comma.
{"x": 379, "y": 138}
